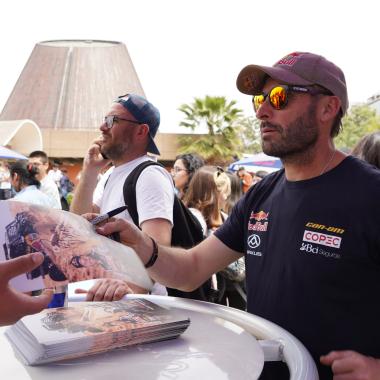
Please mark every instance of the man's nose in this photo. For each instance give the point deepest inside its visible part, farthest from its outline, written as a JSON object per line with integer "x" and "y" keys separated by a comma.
{"x": 265, "y": 111}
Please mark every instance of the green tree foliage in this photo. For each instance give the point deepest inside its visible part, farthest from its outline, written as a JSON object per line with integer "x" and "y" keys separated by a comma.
{"x": 249, "y": 129}
{"x": 221, "y": 119}
{"x": 359, "y": 121}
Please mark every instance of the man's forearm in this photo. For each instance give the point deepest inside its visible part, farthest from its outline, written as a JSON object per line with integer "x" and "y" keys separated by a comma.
{"x": 171, "y": 267}
{"x": 82, "y": 200}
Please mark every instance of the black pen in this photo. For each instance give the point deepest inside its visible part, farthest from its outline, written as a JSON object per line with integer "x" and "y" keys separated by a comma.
{"x": 107, "y": 215}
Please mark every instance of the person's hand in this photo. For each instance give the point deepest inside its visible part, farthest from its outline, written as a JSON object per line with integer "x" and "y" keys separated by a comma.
{"x": 106, "y": 290}
{"x": 130, "y": 235}
{"x": 350, "y": 365}
{"x": 93, "y": 158}
{"x": 14, "y": 304}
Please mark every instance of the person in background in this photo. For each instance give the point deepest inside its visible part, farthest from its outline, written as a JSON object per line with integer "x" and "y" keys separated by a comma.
{"x": 65, "y": 188}
{"x": 55, "y": 174}
{"x": 13, "y": 304}
{"x": 40, "y": 159}
{"x": 25, "y": 183}
{"x": 205, "y": 197}
{"x": 368, "y": 149}
{"x": 127, "y": 136}
{"x": 206, "y": 194}
{"x": 5, "y": 184}
{"x": 236, "y": 192}
{"x": 258, "y": 176}
{"x": 245, "y": 178}
{"x": 233, "y": 276}
{"x": 184, "y": 167}
{"x": 312, "y": 261}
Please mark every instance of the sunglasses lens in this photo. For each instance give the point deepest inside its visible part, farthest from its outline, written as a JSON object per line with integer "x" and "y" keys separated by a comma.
{"x": 278, "y": 97}
{"x": 258, "y": 100}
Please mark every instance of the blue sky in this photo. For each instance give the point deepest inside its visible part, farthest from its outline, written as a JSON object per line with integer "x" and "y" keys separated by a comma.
{"x": 185, "y": 49}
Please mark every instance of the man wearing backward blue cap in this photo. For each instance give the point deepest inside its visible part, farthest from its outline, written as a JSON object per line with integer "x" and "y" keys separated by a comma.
{"x": 127, "y": 135}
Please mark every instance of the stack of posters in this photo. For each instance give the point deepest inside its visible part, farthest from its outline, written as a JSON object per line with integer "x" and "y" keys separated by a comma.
{"x": 73, "y": 250}
{"x": 87, "y": 328}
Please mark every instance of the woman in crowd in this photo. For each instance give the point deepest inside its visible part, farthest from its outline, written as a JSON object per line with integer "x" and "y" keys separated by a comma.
{"x": 368, "y": 149}
{"x": 24, "y": 181}
{"x": 236, "y": 192}
{"x": 183, "y": 170}
{"x": 206, "y": 195}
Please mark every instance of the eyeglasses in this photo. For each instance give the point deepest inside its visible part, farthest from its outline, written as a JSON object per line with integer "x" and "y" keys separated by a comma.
{"x": 219, "y": 170}
{"x": 111, "y": 119}
{"x": 176, "y": 170}
{"x": 279, "y": 95}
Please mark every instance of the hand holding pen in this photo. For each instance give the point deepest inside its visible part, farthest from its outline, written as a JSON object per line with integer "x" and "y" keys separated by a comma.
{"x": 101, "y": 218}
{"x": 107, "y": 215}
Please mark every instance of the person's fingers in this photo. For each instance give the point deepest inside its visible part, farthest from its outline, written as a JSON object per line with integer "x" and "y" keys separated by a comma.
{"x": 114, "y": 225}
{"x": 334, "y": 355}
{"x": 100, "y": 291}
{"x": 92, "y": 291}
{"x": 19, "y": 265}
{"x": 121, "y": 291}
{"x": 80, "y": 291}
{"x": 89, "y": 216}
{"x": 110, "y": 292}
{"x": 32, "y": 305}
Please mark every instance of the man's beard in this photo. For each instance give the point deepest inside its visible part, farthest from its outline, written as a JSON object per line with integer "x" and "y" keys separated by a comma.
{"x": 114, "y": 150}
{"x": 296, "y": 139}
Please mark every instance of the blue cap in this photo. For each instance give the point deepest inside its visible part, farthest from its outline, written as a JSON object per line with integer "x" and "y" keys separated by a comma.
{"x": 145, "y": 113}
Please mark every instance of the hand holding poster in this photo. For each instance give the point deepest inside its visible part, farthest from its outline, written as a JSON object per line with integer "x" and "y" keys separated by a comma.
{"x": 73, "y": 250}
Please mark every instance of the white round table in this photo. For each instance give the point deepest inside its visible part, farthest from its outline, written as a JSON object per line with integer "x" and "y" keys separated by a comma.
{"x": 220, "y": 343}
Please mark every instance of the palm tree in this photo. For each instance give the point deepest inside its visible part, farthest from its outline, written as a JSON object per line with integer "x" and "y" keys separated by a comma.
{"x": 221, "y": 118}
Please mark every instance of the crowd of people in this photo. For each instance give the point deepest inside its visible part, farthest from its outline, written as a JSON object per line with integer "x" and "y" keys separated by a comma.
{"x": 307, "y": 234}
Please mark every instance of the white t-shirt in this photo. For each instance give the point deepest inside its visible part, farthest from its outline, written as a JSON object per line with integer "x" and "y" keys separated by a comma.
{"x": 30, "y": 194}
{"x": 154, "y": 191}
{"x": 200, "y": 218}
{"x": 154, "y": 195}
{"x": 49, "y": 188}
{"x": 55, "y": 175}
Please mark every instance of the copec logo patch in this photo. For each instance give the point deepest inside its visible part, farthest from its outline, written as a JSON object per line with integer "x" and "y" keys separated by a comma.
{"x": 322, "y": 239}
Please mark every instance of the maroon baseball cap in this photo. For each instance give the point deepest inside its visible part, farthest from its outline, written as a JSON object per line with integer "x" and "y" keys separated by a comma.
{"x": 302, "y": 69}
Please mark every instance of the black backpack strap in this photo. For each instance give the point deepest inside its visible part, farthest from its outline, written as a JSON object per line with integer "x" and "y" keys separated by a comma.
{"x": 129, "y": 189}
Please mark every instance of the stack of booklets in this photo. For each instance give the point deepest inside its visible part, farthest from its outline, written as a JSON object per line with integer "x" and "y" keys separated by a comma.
{"x": 87, "y": 328}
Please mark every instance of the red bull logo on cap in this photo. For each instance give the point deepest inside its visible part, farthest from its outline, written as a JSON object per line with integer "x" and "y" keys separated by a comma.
{"x": 289, "y": 59}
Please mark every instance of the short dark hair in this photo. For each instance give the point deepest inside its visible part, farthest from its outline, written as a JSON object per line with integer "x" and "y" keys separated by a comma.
{"x": 39, "y": 154}
{"x": 337, "y": 125}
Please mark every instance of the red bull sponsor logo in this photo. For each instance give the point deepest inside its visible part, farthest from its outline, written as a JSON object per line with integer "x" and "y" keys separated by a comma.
{"x": 289, "y": 59}
{"x": 258, "y": 226}
{"x": 322, "y": 239}
{"x": 259, "y": 216}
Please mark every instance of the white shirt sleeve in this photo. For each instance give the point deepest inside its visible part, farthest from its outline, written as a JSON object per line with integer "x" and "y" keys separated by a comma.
{"x": 155, "y": 194}
{"x": 99, "y": 189}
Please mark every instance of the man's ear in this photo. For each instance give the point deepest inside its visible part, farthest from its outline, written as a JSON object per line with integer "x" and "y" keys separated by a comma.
{"x": 143, "y": 130}
{"x": 330, "y": 108}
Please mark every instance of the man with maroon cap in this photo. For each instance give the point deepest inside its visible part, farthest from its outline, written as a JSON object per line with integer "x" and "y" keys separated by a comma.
{"x": 309, "y": 232}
